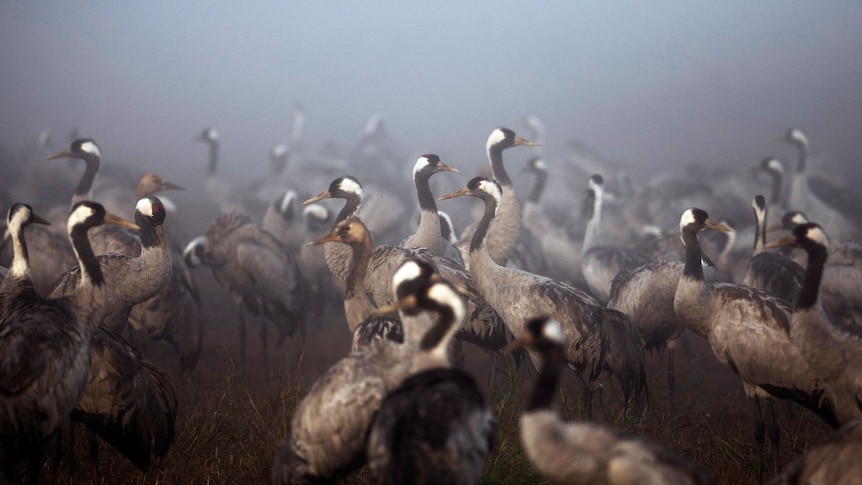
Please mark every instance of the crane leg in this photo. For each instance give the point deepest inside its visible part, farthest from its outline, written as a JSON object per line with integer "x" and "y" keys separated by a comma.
{"x": 242, "y": 341}
{"x": 264, "y": 337}
{"x": 774, "y": 435}
{"x": 93, "y": 445}
{"x": 671, "y": 379}
{"x": 759, "y": 432}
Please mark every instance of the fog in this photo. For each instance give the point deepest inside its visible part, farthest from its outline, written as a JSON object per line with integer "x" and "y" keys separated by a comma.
{"x": 650, "y": 86}
{"x": 643, "y": 83}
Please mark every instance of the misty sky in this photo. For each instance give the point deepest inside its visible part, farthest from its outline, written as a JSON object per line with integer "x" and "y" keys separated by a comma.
{"x": 640, "y": 82}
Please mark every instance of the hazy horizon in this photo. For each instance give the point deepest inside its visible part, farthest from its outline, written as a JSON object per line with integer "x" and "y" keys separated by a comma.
{"x": 645, "y": 84}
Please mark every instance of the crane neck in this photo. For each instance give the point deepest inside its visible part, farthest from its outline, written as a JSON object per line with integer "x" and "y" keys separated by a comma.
{"x": 423, "y": 189}
{"x": 495, "y": 158}
{"x": 355, "y": 282}
{"x": 813, "y": 275}
{"x": 434, "y": 345}
{"x": 775, "y": 193}
{"x": 278, "y": 165}
{"x": 212, "y": 167}
{"x": 693, "y": 253}
{"x": 538, "y": 187}
{"x": 20, "y": 267}
{"x": 481, "y": 232}
{"x": 759, "y": 231}
{"x": 592, "y": 234}
{"x": 91, "y": 270}
{"x": 547, "y": 380}
{"x": 803, "y": 157}
{"x": 84, "y": 190}
{"x": 351, "y": 207}
{"x": 152, "y": 235}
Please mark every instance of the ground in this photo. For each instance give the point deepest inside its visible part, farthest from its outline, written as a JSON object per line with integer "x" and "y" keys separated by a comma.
{"x": 227, "y": 425}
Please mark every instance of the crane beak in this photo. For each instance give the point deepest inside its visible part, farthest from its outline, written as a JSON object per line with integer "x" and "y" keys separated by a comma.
{"x": 171, "y": 186}
{"x": 442, "y": 167}
{"x": 323, "y": 195}
{"x": 718, "y": 226}
{"x": 40, "y": 220}
{"x": 788, "y": 240}
{"x": 331, "y": 237}
{"x": 63, "y": 154}
{"x": 406, "y": 303}
{"x": 119, "y": 221}
{"x": 526, "y": 143}
{"x": 458, "y": 193}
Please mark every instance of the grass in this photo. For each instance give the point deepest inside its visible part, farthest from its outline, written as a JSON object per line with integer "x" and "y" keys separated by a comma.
{"x": 227, "y": 425}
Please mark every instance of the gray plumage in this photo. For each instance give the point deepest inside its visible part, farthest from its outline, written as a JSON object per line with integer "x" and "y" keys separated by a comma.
{"x": 597, "y": 338}
{"x": 228, "y": 198}
{"x": 483, "y": 327}
{"x": 832, "y": 205}
{"x": 330, "y": 424}
{"x": 128, "y": 402}
{"x": 45, "y": 344}
{"x": 129, "y": 280}
{"x": 561, "y": 254}
{"x": 583, "y": 452}
{"x": 50, "y": 252}
{"x": 748, "y": 332}
{"x": 429, "y": 235}
{"x": 50, "y": 247}
{"x": 358, "y": 308}
{"x": 256, "y": 269}
{"x": 173, "y": 314}
{"x": 771, "y": 271}
{"x": 833, "y": 350}
{"x": 316, "y": 220}
{"x": 87, "y": 150}
{"x": 775, "y": 169}
{"x": 535, "y": 218}
{"x": 116, "y": 240}
{"x": 646, "y": 294}
{"x": 447, "y": 228}
{"x": 105, "y": 239}
{"x": 840, "y": 293}
{"x": 435, "y": 427}
{"x": 283, "y": 219}
{"x": 338, "y": 256}
{"x": 527, "y": 254}
{"x": 600, "y": 263}
{"x": 504, "y": 232}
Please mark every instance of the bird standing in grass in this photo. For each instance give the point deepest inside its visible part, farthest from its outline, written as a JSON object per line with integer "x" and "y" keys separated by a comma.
{"x": 45, "y": 343}
{"x": 583, "y": 452}
{"x": 330, "y": 424}
{"x": 435, "y": 427}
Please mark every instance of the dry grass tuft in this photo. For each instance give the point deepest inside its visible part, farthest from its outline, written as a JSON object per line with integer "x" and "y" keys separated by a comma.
{"x": 228, "y": 426}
